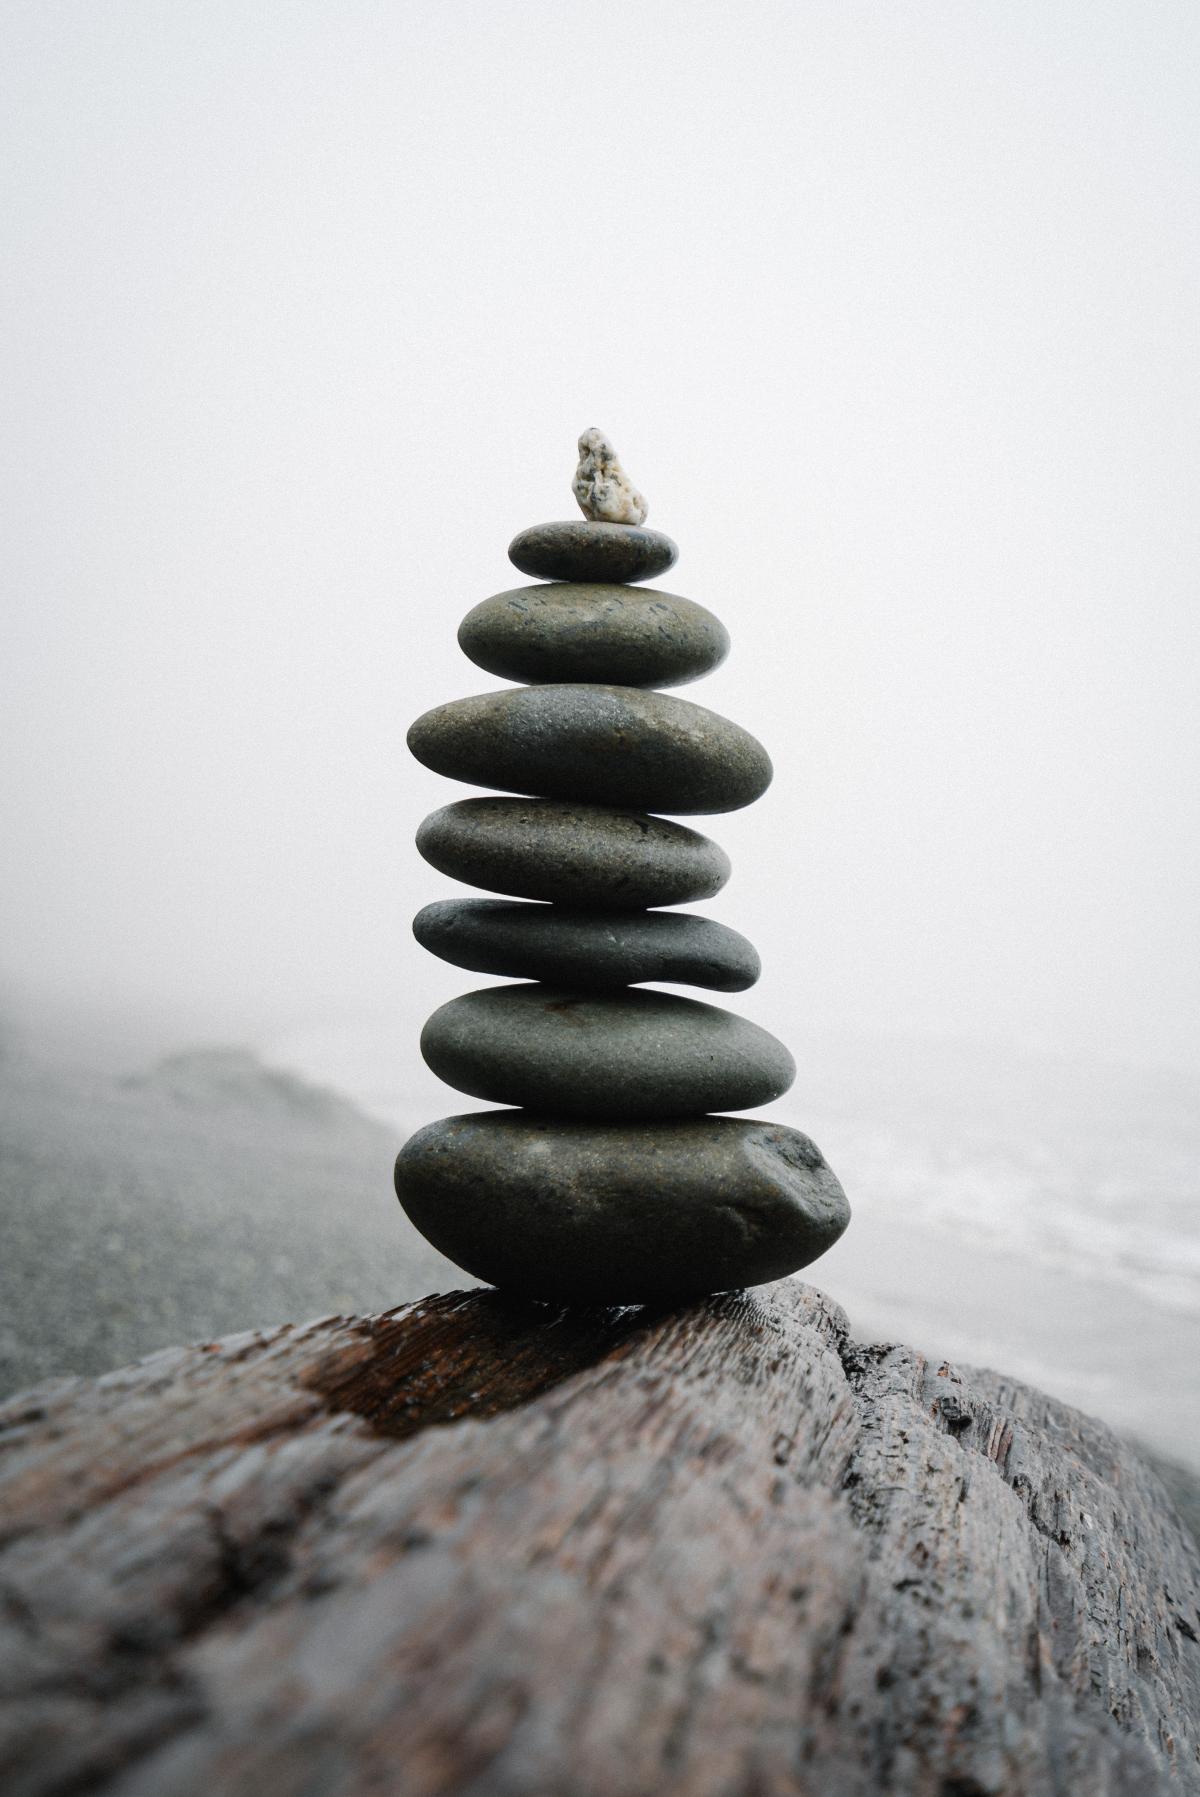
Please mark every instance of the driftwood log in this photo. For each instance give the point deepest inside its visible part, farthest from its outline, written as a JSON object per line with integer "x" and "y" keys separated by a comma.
{"x": 479, "y": 1547}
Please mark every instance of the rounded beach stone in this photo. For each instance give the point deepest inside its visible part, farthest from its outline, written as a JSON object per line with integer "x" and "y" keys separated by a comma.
{"x": 603, "y": 1054}
{"x": 620, "y": 1213}
{"x": 607, "y": 745}
{"x": 584, "y": 948}
{"x": 625, "y": 636}
{"x": 579, "y": 550}
{"x": 591, "y": 856}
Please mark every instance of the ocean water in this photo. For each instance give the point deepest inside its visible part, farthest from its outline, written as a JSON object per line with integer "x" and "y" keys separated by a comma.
{"x": 1013, "y": 1209}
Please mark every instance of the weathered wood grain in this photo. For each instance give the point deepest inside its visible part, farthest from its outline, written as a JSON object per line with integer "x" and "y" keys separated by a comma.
{"x": 488, "y": 1548}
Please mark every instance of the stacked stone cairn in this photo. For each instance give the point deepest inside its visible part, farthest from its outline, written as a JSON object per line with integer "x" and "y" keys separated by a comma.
{"x": 612, "y": 1180}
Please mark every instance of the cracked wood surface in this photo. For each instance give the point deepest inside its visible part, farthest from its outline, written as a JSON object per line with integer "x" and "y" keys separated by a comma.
{"x": 475, "y": 1546}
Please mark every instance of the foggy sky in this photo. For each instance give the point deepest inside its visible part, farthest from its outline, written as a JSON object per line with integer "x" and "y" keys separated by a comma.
{"x": 891, "y": 311}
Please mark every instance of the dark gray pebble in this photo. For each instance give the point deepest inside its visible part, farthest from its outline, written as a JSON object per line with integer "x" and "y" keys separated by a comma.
{"x": 588, "y": 856}
{"x": 579, "y": 550}
{"x": 625, "y": 636}
{"x": 586, "y": 948}
{"x": 607, "y": 745}
{"x": 603, "y": 1054}
{"x": 620, "y": 1213}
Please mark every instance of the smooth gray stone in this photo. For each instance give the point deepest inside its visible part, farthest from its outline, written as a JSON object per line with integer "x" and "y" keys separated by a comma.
{"x": 579, "y": 550}
{"x": 588, "y": 856}
{"x": 586, "y": 948}
{"x": 603, "y": 1054}
{"x": 606, "y": 745}
{"x": 620, "y": 1213}
{"x": 620, "y": 635}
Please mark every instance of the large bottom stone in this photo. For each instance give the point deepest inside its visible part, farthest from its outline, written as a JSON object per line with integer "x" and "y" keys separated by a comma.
{"x": 587, "y": 948}
{"x": 620, "y": 1213}
{"x": 628, "y": 1053}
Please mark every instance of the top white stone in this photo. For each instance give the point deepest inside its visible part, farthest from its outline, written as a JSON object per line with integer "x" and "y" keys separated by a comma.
{"x": 604, "y": 490}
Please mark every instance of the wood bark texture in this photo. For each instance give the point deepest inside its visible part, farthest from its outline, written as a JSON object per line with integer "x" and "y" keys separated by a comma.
{"x": 475, "y": 1546}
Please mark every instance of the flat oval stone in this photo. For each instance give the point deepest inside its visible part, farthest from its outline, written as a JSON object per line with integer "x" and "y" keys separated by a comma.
{"x": 586, "y": 948}
{"x": 583, "y": 855}
{"x": 624, "y": 636}
{"x": 620, "y": 1213}
{"x": 607, "y": 745}
{"x": 579, "y": 550}
{"x": 603, "y": 1054}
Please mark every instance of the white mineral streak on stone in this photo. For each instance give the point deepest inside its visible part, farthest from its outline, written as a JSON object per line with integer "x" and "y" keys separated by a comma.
{"x": 602, "y": 487}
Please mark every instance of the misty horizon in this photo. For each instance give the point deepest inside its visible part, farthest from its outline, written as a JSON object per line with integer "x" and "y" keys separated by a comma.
{"x": 904, "y": 356}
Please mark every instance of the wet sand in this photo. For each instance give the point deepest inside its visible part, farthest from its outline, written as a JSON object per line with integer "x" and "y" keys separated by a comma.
{"x": 210, "y": 1197}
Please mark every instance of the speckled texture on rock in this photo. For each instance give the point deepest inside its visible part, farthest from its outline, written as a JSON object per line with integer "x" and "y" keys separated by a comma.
{"x": 618, "y": 635}
{"x": 605, "y": 745}
{"x": 490, "y": 1547}
{"x": 585, "y": 948}
{"x": 620, "y": 1213}
{"x": 576, "y": 550}
{"x": 592, "y": 856}
{"x": 620, "y": 1054}
{"x": 601, "y": 486}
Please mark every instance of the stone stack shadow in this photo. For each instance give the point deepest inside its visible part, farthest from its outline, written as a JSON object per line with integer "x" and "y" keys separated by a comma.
{"x": 612, "y": 1181}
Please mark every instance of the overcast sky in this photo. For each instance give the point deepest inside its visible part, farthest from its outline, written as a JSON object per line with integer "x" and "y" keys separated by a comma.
{"x": 892, "y": 311}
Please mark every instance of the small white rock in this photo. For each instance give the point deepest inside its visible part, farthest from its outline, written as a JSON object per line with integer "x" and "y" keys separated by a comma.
{"x": 604, "y": 490}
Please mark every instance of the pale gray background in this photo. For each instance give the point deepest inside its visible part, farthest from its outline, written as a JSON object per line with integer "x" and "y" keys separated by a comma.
{"x": 891, "y": 310}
